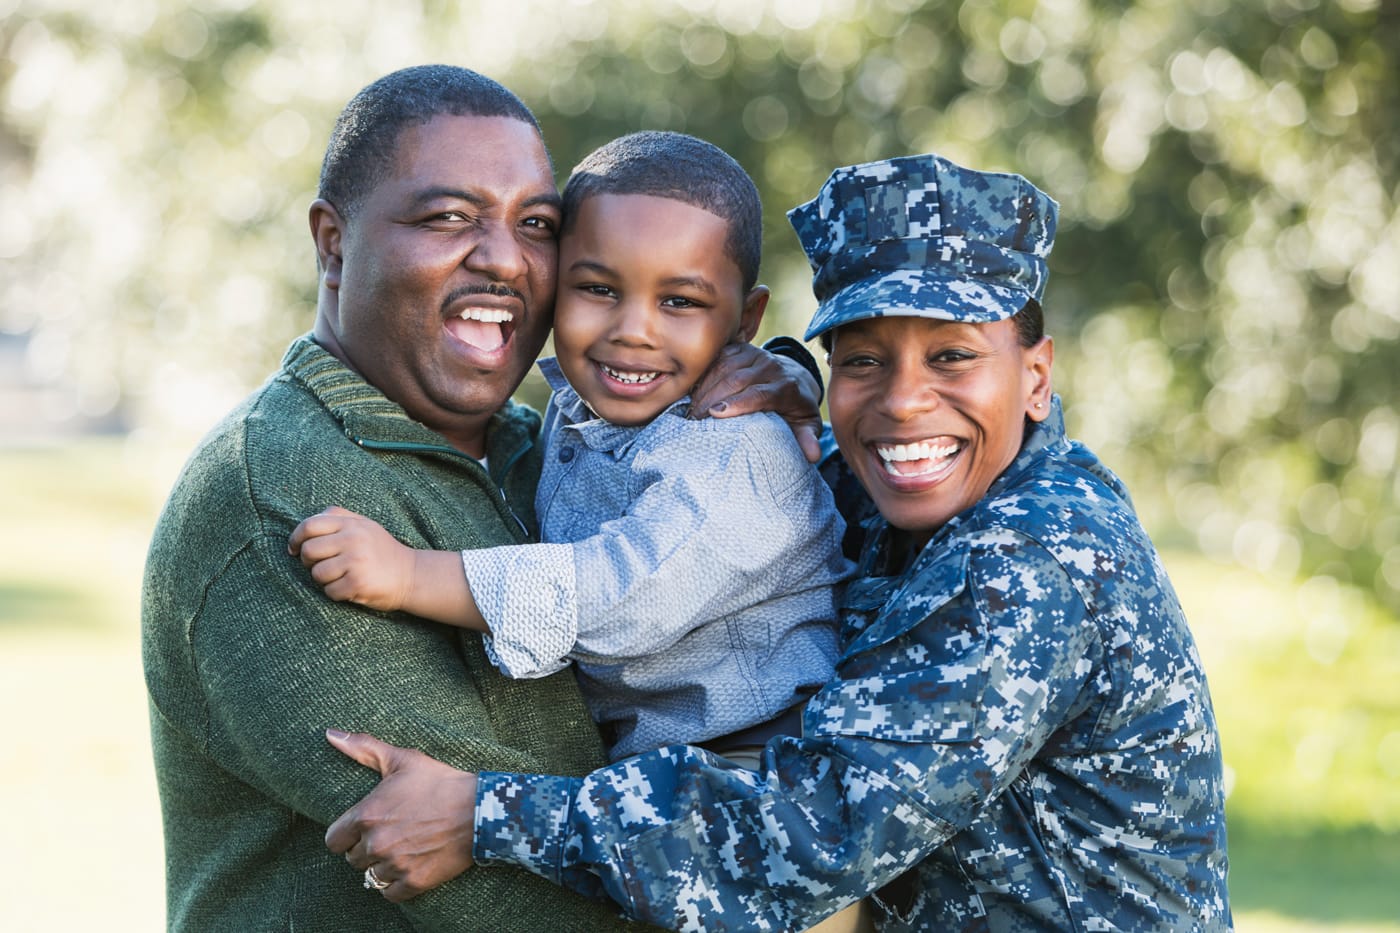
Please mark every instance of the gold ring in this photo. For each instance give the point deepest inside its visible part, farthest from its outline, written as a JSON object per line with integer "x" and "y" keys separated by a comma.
{"x": 373, "y": 881}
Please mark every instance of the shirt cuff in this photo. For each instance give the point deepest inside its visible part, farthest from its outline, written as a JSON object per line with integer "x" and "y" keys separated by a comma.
{"x": 523, "y": 819}
{"x": 529, "y": 598}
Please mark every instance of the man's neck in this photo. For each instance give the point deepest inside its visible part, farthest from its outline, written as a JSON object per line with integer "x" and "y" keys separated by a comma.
{"x": 467, "y": 436}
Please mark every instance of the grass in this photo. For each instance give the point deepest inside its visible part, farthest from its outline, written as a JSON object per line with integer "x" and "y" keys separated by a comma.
{"x": 1305, "y": 678}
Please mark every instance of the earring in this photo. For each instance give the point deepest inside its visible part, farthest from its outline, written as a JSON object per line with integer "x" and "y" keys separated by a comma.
{"x": 1039, "y": 404}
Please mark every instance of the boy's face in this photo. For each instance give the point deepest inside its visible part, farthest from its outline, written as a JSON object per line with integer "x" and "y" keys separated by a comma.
{"x": 648, "y": 296}
{"x": 928, "y": 413}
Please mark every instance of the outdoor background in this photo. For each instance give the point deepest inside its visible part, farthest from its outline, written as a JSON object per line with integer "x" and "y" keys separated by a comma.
{"x": 1225, "y": 293}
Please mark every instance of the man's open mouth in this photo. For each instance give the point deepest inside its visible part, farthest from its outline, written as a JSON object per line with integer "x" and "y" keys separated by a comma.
{"x": 483, "y": 328}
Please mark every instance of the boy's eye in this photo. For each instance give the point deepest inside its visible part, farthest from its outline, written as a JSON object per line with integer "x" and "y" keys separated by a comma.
{"x": 679, "y": 302}
{"x": 593, "y": 288}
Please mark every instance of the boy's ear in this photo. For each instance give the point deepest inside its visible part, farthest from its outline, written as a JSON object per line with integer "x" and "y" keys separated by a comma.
{"x": 755, "y": 303}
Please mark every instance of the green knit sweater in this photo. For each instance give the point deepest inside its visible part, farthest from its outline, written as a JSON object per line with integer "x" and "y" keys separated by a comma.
{"x": 247, "y": 662}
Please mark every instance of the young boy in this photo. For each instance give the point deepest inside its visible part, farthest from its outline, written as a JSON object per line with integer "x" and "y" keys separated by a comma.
{"x": 688, "y": 566}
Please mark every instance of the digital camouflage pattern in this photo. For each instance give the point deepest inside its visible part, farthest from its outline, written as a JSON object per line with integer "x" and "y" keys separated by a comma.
{"x": 1019, "y": 736}
{"x": 923, "y": 236}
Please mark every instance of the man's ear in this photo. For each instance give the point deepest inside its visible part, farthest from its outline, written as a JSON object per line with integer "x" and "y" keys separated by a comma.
{"x": 327, "y": 228}
{"x": 755, "y": 303}
{"x": 1039, "y": 360}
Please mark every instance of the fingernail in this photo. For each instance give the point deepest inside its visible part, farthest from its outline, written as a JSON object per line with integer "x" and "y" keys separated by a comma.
{"x": 336, "y": 734}
{"x": 719, "y": 406}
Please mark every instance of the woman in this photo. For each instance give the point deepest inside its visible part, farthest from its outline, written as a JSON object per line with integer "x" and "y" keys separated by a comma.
{"x": 1019, "y": 734}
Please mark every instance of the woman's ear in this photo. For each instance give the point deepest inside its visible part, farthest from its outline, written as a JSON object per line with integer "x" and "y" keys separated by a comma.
{"x": 327, "y": 228}
{"x": 1039, "y": 359}
{"x": 755, "y": 303}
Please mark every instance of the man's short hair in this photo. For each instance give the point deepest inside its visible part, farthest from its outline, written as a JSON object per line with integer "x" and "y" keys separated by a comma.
{"x": 366, "y": 135}
{"x": 682, "y": 168}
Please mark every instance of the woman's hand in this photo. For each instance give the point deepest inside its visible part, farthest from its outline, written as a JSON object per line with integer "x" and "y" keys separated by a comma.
{"x": 745, "y": 379}
{"x": 415, "y": 828}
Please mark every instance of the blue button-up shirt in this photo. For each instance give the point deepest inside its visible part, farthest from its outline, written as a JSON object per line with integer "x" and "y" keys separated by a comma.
{"x": 1018, "y": 737}
{"x": 689, "y": 570}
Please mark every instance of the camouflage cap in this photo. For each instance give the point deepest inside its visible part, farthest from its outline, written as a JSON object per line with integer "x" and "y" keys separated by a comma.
{"x": 920, "y": 236}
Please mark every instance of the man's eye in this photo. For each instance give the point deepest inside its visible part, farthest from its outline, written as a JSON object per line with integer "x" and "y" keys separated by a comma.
{"x": 540, "y": 224}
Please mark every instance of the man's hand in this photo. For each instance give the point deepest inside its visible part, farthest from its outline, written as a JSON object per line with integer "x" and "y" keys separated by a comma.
{"x": 745, "y": 379}
{"x": 415, "y": 828}
{"x": 355, "y": 559}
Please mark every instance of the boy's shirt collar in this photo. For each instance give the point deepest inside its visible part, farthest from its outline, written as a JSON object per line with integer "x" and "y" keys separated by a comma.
{"x": 594, "y": 432}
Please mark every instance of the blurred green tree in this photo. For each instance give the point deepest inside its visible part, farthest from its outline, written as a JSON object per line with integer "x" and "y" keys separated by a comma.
{"x": 1226, "y": 286}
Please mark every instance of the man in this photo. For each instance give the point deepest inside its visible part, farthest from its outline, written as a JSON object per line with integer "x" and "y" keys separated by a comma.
{"x": 435, "y": 234}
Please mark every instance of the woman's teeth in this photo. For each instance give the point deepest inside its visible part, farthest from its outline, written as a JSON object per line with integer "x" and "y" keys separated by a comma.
{"x": 921, "y": 457}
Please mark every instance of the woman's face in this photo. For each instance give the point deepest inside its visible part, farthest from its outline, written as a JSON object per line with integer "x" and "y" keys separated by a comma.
{"x": 928, "y": 413}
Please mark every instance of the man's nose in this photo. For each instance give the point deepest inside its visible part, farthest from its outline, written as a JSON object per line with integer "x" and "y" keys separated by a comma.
{"x": 497, "y": 253}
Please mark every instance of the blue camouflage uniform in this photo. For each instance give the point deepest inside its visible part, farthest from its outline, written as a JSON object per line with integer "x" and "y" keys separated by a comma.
{"x": 1018, "y": 736}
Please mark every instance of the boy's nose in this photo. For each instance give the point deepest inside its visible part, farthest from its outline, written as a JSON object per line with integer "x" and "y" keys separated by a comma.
{"x": 634, "y": 324}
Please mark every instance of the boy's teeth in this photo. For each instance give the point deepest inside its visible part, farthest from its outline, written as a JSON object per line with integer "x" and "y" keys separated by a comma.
{"x": 487, "y": 315}
{"x": 630, "y": 378}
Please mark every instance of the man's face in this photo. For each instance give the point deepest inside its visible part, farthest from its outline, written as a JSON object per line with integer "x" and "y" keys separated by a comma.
{"x": 648, "y": 295}
{"x": 445, "y": 286}
{"x": 928, "y": 413}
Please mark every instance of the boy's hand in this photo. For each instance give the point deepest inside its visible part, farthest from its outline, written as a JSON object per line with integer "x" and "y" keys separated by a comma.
{"x": 355, "y": 559}
{"x": 745, "y": 379}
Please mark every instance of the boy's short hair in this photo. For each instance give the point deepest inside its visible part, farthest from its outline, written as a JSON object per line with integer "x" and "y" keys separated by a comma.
{"x": 366, "y": 135}
{"x": 682, "y": 168}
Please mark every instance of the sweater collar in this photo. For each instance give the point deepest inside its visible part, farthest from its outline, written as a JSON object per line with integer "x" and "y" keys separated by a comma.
{"x": 370, "y": 417}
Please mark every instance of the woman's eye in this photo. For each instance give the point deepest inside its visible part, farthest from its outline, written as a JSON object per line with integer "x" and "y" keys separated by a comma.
{"x": 952, "y": 356}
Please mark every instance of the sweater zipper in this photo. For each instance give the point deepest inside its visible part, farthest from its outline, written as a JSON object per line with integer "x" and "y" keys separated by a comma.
{"x": 410, "y": 447}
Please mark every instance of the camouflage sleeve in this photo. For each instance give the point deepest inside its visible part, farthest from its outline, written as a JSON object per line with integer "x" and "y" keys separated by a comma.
{"x": 949, "y": 694}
